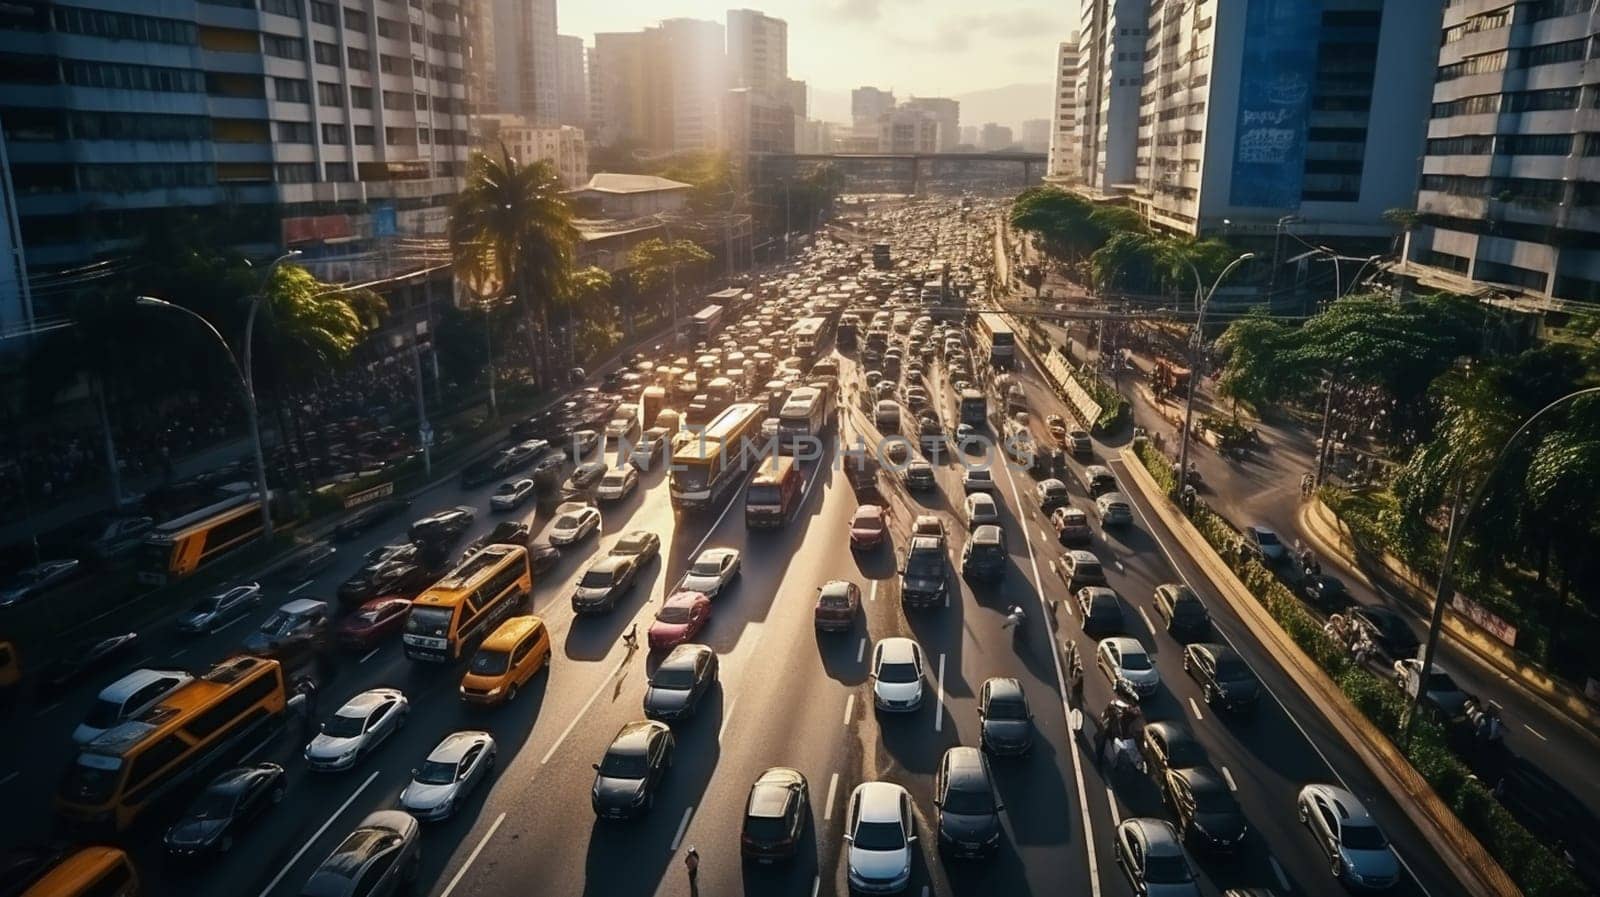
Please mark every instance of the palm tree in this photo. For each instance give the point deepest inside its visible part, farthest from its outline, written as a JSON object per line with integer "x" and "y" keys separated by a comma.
{"x": 512, "y": 229}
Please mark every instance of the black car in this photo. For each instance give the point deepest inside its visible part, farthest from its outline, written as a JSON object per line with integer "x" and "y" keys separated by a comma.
{"x": 1326, "y": 593}
{"x": 919, "y": 476}
{"x": 86, "y": 657}
{"x": 1100, "y": 611}
{"x": 627, "y": 777}
{"x": 583, "y": 443}
{"x": 602, "y": 585}
{"x": 969, "y": 814}
{"x": 547, "y": 472}
{"x": 1183, "y": 612}
{"x": 984, "y": 556}
{"x": 227, "y": 805}
{"x": 378, "y": 859}
{"x": 680, "y": 682}
{"x": 506, "y": 532}
{"x": 443, "y": 527}
{"x": 1168, "y": 746}
{"x": 385, "y": 578}
{"x": 924, "y": 575}
{"x": 1150, "y": 854}
{"x": 1388, "y": 630}
{"x": 583, "y": 480}
{"x": 483, "y": 470}
{"x": 1208, "y": 816}
{"x": 775, "y": 815}
{"x": 368, "y": 516}
{"x": 543, "y": 557}
{"x": 1005, "y": 724}
{"x": 1225, "y": 679}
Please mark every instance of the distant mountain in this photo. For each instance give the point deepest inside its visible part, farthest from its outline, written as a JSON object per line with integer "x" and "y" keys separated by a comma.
{"x": 1010, "y": 105}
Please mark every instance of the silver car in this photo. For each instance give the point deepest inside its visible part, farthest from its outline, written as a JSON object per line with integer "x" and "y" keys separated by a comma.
{"x": 1351, "y": 840}
{"x": 210, "y": 613}
{"x": 1114, "y": 509}
{"x": 711, "y": 572}
{"x": 461, "y": 762}
{"x": 363, "y": 723}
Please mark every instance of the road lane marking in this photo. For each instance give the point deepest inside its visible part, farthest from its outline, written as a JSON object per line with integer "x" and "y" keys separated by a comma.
{"x": 938, "y": 708}
{"x": 235, "y": 622}
{"x": 1118, "y": 564}
{"x": 1196, "y": 708}
{"x": 369, "y": 655}
{"x": 473, "y": 856}
{"x": 833, "y": 788}
{"x": 46, "y": 710}
{"x": 1535, "y": 732}
{"x": 925, "y": 891}
{"x": 1111, "y": 801}
{"x": 1147, "y": 624}
{"x": 139, "y": 664}
{"x": 1228, "y": 777}
{"x": 727, "y": 718}
{"x": 816, "y": 885}
{"x": 301, "y": 586}
{"x": 1043, "y": 536}
{"x": 849, "y": 709}
{"x": 861, "y": 649}
{"x": 1283, "y": 880}
{"x": 13, "y": 775}
{"x": 284, "y": 870}
{"x": 872, "y": 594}
{"x": 714, "y": 524}
{"x": 604, "y": 685}
{"x": 683, "y": 826}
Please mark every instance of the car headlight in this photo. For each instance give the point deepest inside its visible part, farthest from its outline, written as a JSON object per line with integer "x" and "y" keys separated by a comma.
{"x": 639, "y": 798}
{"x": 993, "y": 839}
{"x": 494, "y": 691}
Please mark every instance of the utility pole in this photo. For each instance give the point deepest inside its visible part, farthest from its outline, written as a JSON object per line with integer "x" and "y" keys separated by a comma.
{"x": 424, "y": 429}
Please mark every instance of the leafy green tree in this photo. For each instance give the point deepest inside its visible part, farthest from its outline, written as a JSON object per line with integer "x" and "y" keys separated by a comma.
{"x": 511, "y": 231}
{"x": 1125, "y": 261}
{"x": 1251, "y": 347}
{"x": 653, "y": 260}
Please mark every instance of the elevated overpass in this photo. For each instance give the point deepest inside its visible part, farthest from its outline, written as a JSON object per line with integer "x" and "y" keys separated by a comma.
{"x": 914, "y": 168}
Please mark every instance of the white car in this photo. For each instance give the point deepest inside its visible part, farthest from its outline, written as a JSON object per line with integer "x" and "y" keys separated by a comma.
{"x": 1123, "y": 657}
{"x": 461, "y": 762}
{"x": 574, "y": 525}
{"x": 711, "y": 572}
{"x": 651, "y": 447}
{"x": 981, "y": 509}
{"x": 210, "y": 613}
{"x": 127, "y": 698}
{"x": 364, "y": 722}
{"x": 510, "y": 495}
{"x": 880, "y": 828}
{"x": 1113, "y": 509}
{"x": 1355, "y": 847}
{"x": 897, "y": 675}
{"x": 617, "y": 484}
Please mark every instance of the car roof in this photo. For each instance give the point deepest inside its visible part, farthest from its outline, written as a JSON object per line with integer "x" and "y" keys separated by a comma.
{"x": 896, "y": 649}
{"x": 965, "y": 769}
{"x": 1082, "y": 556}
{"x": 608, "y": 563}
{"x": 925, "y": 543}
{"x": 987, "y": 534}
{"x": 1202, "y": 780}
{"x": 303, "y": 606}
{"x": 770, "y": 795}
{"x": 717, "y": 553}
{"x": 879, "y": 801}
{"x": 1124, "y": 644}
{"x": 836, "y": 588}
{"x": 121, "y": 689}
{"x": 367, "y": 701}
{"x": 978, "y": 498}
{"x": 233, "y": 781}
{"x": 634, "y": 737}
{"x": 1348, "y": 806}
{"x": 1005, "y": 687}
{"x": 683, "y": 599}
{"x": 455, "y": 746}
{"x": 683, "y": 657}
{"x": 1157, "y": 835}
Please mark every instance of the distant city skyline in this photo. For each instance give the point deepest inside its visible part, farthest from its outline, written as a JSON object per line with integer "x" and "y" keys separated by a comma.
{"x": 921, "y": 47}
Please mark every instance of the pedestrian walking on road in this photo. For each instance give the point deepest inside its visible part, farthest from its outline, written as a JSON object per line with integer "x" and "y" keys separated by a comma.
{"x": 691, "y": 862}
{"x": 631, "y": 637}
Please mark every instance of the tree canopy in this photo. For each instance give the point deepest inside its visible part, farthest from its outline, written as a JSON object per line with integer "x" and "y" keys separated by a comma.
{"x": 652, "y": 261}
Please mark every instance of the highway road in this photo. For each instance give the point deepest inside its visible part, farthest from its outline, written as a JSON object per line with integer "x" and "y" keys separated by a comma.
{"x": 788, "y": 696}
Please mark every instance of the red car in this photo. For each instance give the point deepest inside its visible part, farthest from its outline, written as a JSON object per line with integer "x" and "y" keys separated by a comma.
{"x": 372, "y": 623}
{"x": 680, "y": 619}
{"x": 868, "y": 527}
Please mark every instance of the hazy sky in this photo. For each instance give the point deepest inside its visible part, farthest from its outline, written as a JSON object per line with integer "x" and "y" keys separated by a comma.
{"x": 926, "y": 47}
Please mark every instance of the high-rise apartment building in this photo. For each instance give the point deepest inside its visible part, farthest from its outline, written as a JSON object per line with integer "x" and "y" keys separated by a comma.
{"x": 1064, "y": 115}
{"x": 908, "y": 130}
{"x": 627, "y": 99}
{"x": 1111, "y": 70}
{"x": 969, "y": 135}
{"x": 866, "y": 105}
{"x": 572, "y": 82}
{"x": 758, "y": 51}
{"x": 994, "y": 137}
{"x": 756, "y": 122}
{"x": 946, "y": 111}
{"x": 1036, "y": 135}
{"x": 1510, "y": 187}
{"x": 525, "y": 59}
{"x": 697, "y": 72}
{"x": 659, "y": 89}
{"x": 561, "y": 145}
{"x": 313, "y": 125}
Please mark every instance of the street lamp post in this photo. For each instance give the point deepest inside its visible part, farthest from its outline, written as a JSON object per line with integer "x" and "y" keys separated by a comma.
{"x": 488, "y": 346}
{"x": 1327, "y": 416}
{"x": 1277, "y": 249}
{"x": 1460, "y": 515}
{"x": 1195, "y": 338}
{"x": 1333, "y": 257}
{"x": 1357, "y": 279}
{"x": 249, "y": 403}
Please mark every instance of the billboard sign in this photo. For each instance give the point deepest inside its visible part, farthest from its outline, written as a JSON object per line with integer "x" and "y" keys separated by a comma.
{"x": 1279, "y": 70}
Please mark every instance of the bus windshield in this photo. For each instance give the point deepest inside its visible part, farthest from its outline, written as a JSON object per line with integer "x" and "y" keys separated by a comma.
{"x": 430, "y": 621}
{"x": 764, "y": 494}
{"x": 92, "y": 780}
{"x": 691, "y": 477}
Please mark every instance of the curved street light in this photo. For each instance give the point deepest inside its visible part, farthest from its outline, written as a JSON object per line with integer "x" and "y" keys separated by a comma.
{"x": 249, "y": 402}
{"x": 1195, "y": 338}
{"x": 1460, "y": 515}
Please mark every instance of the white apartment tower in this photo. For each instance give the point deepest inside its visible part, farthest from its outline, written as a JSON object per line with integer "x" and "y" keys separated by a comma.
{"x": 572, "y": 82}
{"x": 1063, "y": 157}
{"x": 696, "y": 68}
{"x": 1111, "y": 70}
{"x": 758, "y": 52}
{"x": 525, "y": 59}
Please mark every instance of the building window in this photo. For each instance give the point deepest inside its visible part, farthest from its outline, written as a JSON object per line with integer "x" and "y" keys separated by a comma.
{"x": 283, "y": 47}
{"x": 133, "y": 126}
{"x": 339, "y": 171}
{"x": 361, "y": 97}
{"x": 400, "y": 136}
{"x": 1553, "y": 54}
{"x": 296, "y": 172}
{"x": 334, "y": 133}
{"x": 122, "y": 26}
{"x": 422, "y": 101}
{"x": 1496, "y": 272}
{"x": 1470, "y": 145}
{"x": 1551, "y": 9}
{"x": 290, "y": 8}
{"x": 290, "y": 90}
{"x": 1554, "y": 98}
{"x": 395, "y": 101}
{"x": 131, "y": 77}
{"x": 391, "y": 29}
{"x": 294, "y": 132}
{"x": 355, "y": 20}
{"x": 1485, "y": 22}
{"x": 1448, "y": 261}
{"x": 423, "y": 136}
{"x": 393, "y": 65}
{"x": 1535, "y": 144}
{"x": 138, "y": 177}
{"x": 366, "y": 135}
{"x": 1472, "y": 65}
{"x": 360, "y": 59}
{"x": 326, "y": 53}
{"x": 329, "y": 94}
{"x": 324, "y": 13}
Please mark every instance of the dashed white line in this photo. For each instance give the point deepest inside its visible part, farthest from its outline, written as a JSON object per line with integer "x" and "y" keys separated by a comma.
{"x": 816, "y": 885}
{"x": 473, "y": 856}
{"x": 1044, "y": 535}
{"x": 1147, "y": 624}
{"x": 1228, "y": 777}
{"x": 302, "y": 586}
{"x": 1111, "y": 801}
{"x": 369, "y": 655}
{"x": 925, "y": 891}
{"x": 1283, "y": 880}
{"x": 861, "y": 649}
{"x": 604, "y": 684}
{"x": 833, "y": 788}
{"x": 1535, "y": 732}
{"x": 284, "y": 870}
{"x": 849, "y": 709}
{"x": 682, "y": 827}
{"x": 938, "y": 708}
{"x": 139, "y": 664}
{"x": 872, "y": 593}
{"x": 1196, "y": 708}
{"x": 45, "y": 710}
{"x": 727, "y": 717}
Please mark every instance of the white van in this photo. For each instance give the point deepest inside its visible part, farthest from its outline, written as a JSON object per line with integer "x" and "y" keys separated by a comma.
{"x": 126, "y": 698}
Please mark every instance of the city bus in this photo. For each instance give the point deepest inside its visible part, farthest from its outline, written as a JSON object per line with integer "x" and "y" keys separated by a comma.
{"x": 190, "y": 734}
{"x": 179, "y": 547}
{"x": 808, "y": 335}
{"x": 773, "y": 493}
{"x": 807, "y": 412}
{"x": 996, "y": 339}
{"x": 453, "y": 615}
{"x": 706, "y": 322}
{"x": 713, "y": 461}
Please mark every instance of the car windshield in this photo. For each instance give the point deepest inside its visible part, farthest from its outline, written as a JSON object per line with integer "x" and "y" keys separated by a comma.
{"x": 567, "y": 521}
{"x": 1137, "y": 662}
{"x": 207, "y": 605}
{"x": 505, "y": 489}
{"x": 1266, "y": 538}
{"x": 624, "y": 766}
{"x": 596, "y": 579}
{"x": 897, "y": 672}
{"x": 1232, "y": 669}
{"x": 489, "y": 662}
{"x": 673, "y": 677}
{"x": 213, "y": 804}
{"x": 92, "y": 780}
{"x": 706, "y": 567}
{"x": 1362, "y": 837}
{"x": 1008, "y": 708}
{"x": 1212, "y": 800}
{"x": 435, "y": 773}
{"x": 764, "y": 494}
{"x": 366, "y": 617}
{"x": 342, "y": 726}
{"x": 879, "y": 836}
{"x": 1167, "y": 870}
{"x": 279, "y": 623}
{"x": 674, "y": 613}
{"x": 104, "y": 714}
{"x": 433, "y": 622}
{"x": 968, "y": 802}
{"x": 924, "y": 563}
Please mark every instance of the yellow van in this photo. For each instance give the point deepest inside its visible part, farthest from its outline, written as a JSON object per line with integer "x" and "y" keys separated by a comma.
{"x": 506, "y": 660}
{"x": 87, "y": 872}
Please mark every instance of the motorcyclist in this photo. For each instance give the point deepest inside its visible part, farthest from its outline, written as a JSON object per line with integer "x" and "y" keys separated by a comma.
{"x": 1015, "y": 617}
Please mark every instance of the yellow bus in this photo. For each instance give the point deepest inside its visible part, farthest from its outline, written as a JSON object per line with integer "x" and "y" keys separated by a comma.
{"x": 179, "y": 547}
{"x": 449, "y": 619}
{"x": 94, "y": 871}
{"x": 709, "y": 463}
{"x": 204, "y": 723}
